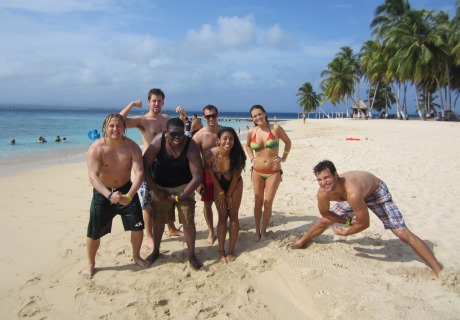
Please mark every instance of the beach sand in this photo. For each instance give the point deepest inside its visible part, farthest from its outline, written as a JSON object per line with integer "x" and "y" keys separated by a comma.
{"x": 371, "y": 275}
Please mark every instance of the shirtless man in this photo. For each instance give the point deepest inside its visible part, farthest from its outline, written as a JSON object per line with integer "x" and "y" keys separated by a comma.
{"x": 206, "y": 139}
{"x": 110, "y": 161}
{"x": 196, "y": 124}
{"x": 356, "y": 192}
{"x": 149, "y": 125}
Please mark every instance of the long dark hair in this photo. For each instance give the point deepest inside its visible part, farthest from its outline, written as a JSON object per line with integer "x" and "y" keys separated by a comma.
{"x": 237, "y": 155}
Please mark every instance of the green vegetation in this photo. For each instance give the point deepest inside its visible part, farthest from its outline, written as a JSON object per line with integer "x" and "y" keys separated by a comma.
{"x": 411, "y": 49}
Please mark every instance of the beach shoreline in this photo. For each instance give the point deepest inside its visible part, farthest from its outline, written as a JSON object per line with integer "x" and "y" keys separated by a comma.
{"x": 46, "y": 215}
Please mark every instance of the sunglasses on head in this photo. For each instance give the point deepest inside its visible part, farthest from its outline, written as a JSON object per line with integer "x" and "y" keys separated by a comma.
{"x": 176, "y": 134}
{"x": 211, "y": 116}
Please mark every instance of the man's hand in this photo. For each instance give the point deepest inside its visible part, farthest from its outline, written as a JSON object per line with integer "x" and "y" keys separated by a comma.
{"x": 339, "y": 231}
{"x": 180, "y": 111}
{"x": 296, "y": 245}
{"x": 137, "y": 103}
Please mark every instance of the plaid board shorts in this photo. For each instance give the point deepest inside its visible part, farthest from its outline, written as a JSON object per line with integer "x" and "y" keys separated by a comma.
{"x": 381, "y": 203}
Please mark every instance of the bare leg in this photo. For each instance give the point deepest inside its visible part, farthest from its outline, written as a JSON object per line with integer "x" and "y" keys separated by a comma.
{"x": 148, "y": 228}
{"x": 234, "y": 221}
{"x": 271, "y": 186}
{"x": 259, "y": 185}
{"x": 136, "y": 242}
{"x": 173, "y": 231}
{"x": 419, "y": 247}
{"x": 316, "y": 229}
{"x": 208, "y": 217}
{"x": 190, "y": 237}
{"x": 157, "y": 236}
{"x": 222, "y": 232}
{"x": 91, "y": 248}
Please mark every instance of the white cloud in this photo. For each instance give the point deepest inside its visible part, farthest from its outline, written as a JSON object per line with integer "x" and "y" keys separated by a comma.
{"x": 276, "y": 37}
{"x": 230, "y": 32}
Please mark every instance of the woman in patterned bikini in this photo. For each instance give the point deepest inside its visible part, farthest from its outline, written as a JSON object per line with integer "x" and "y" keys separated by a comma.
{"x": 224, "y": 164}
{"x": 262, "y": 146}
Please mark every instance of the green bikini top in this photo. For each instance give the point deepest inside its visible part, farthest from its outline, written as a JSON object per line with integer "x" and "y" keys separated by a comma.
{"x": 271, "y": 142}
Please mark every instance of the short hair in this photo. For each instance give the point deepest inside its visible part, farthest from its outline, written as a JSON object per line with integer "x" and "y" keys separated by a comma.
{"x": 175, "y": 122}
{"x": 109, "y": 118}
{"x": 258, "y": 106}
{"x": 323, "y": 165}
{"x": 156, "y": 92}
{"x": 210, "y": 107}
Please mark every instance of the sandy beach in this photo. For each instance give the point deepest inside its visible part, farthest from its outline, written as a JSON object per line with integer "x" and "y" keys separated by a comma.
{"x": 371, "y": 275}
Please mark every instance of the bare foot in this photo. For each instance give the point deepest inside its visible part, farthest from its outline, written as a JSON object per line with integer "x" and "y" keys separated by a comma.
{"x": 153, "y": 256}
{"x": 263, "y": 235}
{"x": 149, "y": 242}
{"x": 257, "y": 237}
{"x": 88, "y": 272}
{"x": 195, "y": 263}
{"x": 231, "y": 257}
{"x": 222, "y": 257}
{"x": 141, "y": 262}
{"x": 174, "y": 232}
{"x": 211, "y": 238}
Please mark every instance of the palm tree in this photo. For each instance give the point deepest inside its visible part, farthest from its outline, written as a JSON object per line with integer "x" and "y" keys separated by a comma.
{"x": 373, "y": 66}
{"x": 382, "y": 99}
{"x": 386, "y": 18}
{"x": 419, "y": 49}
{"x": 339, "y": 81}
{"x": 308, "y": 100}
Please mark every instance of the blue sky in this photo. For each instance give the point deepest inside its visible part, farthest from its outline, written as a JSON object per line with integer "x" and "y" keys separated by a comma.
{"x": 233, "y": 54}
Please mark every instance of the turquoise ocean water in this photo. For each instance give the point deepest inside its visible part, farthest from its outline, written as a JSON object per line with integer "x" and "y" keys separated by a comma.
{"x": 26, "y": 124}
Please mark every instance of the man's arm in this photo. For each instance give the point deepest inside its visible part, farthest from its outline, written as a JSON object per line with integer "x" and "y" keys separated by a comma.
{"x": 149, "y": 157}
{"x": 131, "y": 122}
{"x": 324, "y": 206}
{"x": 138, "y": 168}
{"x": 94, "y": 159}
{"x": 361, "y": 221}
{"x": 196, "y": 168}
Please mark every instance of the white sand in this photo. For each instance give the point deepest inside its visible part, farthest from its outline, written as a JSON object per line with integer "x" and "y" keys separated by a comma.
{"x": 371, "y": 275}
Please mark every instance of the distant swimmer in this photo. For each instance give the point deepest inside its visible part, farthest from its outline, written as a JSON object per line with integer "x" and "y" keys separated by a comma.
{"x": 58, "y": 139}
{"x": 42, "y": 140}
{"x": 13, "y": 141}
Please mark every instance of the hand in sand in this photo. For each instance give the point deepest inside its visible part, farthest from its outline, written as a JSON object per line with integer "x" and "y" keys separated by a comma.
{"x": 296, "y": 245}
{"x": 339, "y": 231}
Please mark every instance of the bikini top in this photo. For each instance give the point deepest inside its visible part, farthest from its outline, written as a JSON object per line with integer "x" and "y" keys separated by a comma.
{"x": 214, "y": 166}
{"x": 271, "y": 142}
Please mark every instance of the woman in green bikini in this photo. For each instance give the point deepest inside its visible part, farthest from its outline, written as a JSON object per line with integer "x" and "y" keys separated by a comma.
{"x": 224, "y": 164}
{"x": 262, "y": 146}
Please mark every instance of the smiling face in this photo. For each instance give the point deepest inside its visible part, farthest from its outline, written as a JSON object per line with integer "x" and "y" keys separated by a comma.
{"x": 175, "y": 135}
{"x": 326, "y": 180}
{"x": 114, "y": 127}
{"x": 258, "y": 116}
{"x": 226, "y": 141}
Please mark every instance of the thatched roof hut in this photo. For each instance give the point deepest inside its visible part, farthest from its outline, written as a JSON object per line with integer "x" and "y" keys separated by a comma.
{"x": 359, "y": 108}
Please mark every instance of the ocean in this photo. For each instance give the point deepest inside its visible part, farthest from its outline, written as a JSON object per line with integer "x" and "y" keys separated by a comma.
{"x": 27, "y": 123}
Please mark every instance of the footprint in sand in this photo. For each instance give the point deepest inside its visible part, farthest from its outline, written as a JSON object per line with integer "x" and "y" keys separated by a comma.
{"x": 31, "y": 309}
